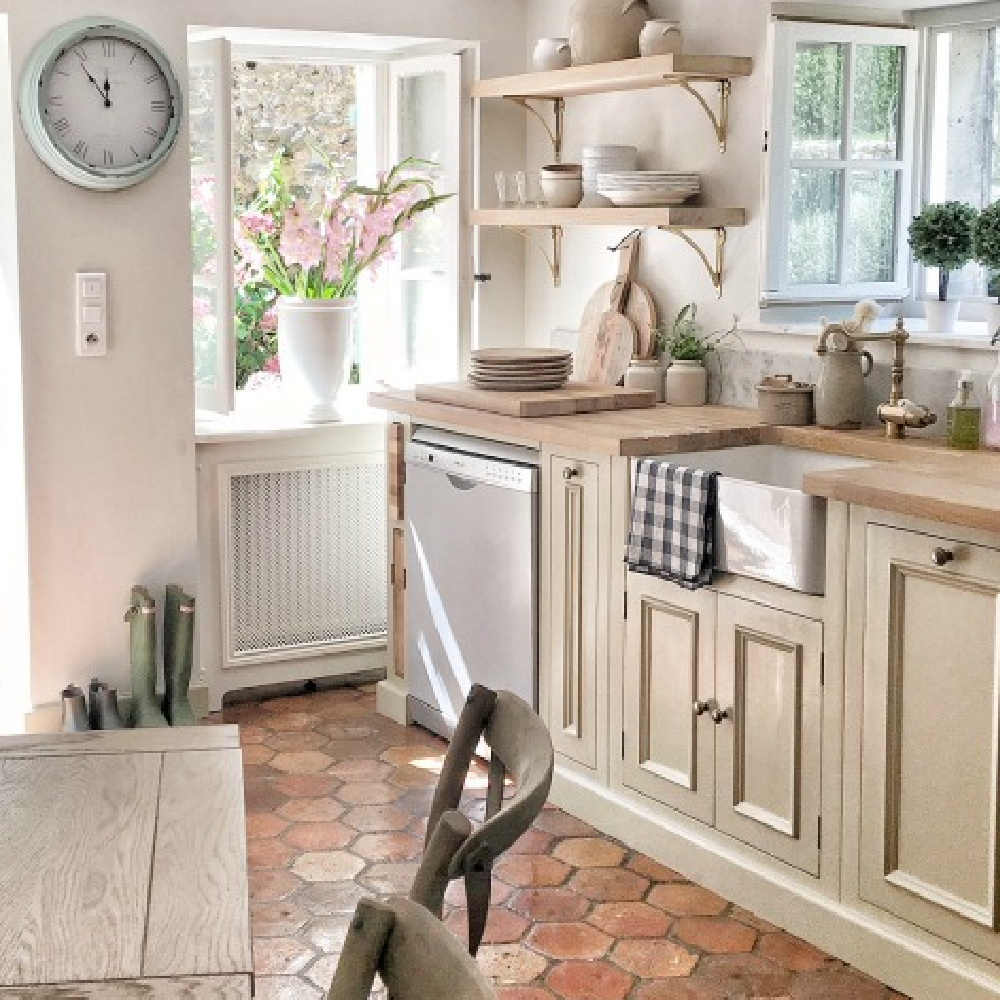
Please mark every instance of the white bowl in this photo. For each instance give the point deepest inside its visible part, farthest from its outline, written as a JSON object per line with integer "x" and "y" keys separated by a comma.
{"x": 561, "y": 170}
{"x": 561, "y": 192}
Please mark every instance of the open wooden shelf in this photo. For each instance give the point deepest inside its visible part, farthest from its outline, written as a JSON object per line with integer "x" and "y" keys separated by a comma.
{"x": 677, "y": 217}
{"x": 625, "y": 74}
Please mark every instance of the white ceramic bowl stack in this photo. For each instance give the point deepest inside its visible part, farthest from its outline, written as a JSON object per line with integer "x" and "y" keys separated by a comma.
{"x": 647, "y": 188}
{"x": 605, "y": 159}
{"x": 561, "y": 184}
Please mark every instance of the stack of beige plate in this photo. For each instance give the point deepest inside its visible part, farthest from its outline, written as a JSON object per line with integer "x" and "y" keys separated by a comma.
{"x": 520, "y": 368}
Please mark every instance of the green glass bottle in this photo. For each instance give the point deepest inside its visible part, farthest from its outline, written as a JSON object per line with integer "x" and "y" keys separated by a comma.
{"x": 964, "y": 416}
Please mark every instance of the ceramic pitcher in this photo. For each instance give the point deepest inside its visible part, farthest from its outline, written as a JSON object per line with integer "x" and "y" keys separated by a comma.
{"x": 605, "y": 30}
{"x": 660, "y": 38}
{"x": 551, "y": 53}
{"x": 840, "y": 391}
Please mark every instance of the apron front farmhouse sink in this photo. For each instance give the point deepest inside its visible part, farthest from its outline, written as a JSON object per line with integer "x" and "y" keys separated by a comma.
{"x": 766, "y": 527}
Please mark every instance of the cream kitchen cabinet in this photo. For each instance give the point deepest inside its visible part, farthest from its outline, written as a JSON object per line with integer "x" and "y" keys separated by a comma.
{"x": 723, "y": 712}
{"x": 930, "y": 690}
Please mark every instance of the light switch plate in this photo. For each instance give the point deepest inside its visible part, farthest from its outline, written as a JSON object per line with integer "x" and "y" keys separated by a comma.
{"x": 91, "y": 314}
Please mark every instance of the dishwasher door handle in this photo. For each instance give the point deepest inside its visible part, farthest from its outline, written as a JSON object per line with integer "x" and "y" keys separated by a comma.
{"x": 460, "y": 482}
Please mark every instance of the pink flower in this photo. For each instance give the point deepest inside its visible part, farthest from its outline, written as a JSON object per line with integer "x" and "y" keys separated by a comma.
{"x": 202, "y": 307}
{"x": 256, "y": 223}
{"x": 272, "y": 365}
{"x": 269, "y": 321}
{"x": 301, "y": 240}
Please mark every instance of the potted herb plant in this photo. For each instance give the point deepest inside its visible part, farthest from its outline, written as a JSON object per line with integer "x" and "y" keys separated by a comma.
{"x": 986, "y": 249}
{"x": 941, "y": 237}
{"x": 687, "y": 343}
{"x": 307, "y": 259}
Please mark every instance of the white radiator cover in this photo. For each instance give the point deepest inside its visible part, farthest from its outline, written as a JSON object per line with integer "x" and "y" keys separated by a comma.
{"x": 303, "y": 557}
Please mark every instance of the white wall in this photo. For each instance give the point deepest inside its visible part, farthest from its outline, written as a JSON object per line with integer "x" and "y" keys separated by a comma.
{"x": 109, "y": 461}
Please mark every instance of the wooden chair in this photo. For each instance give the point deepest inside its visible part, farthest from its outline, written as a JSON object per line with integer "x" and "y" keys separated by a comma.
{"x": 417, "y": 957}
{"x": 521, "y": 747}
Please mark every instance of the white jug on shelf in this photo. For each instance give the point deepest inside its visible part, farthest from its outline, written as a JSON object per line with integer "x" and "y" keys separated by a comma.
{"x": 605, "y": 30}
{"x": 551, "y": 53}
{"x": 660, "y": 38}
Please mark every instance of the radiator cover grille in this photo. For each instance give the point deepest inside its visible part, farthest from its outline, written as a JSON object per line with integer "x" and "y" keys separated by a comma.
{"x": 306, "y": 558}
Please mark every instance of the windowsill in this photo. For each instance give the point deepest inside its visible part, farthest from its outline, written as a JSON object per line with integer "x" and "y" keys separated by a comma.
{"x": 265, "y": 414}
{"x": 968, "y": 335}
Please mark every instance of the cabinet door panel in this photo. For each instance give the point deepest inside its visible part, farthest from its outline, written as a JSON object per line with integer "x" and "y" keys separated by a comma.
{"x": 929, "y": 785}
{"x": 768, "y": 748}
{"x": 573, "y": 608}
{"x": 670, "y": 652}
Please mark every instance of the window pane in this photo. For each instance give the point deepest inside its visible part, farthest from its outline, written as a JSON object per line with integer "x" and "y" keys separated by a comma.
{"x": 813, "y": 227}
{"x": 872, "y": 232}
{"x": 818, "y": 115}
{"x": 877, "y": 75}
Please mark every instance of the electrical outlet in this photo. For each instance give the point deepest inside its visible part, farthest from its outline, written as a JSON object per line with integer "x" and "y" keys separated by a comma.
{"x": 91, "y": 314}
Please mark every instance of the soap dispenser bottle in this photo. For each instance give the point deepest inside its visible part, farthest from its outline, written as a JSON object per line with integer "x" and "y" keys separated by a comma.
{"x": 964, "y": 416}
{"x": 991, "y": 424}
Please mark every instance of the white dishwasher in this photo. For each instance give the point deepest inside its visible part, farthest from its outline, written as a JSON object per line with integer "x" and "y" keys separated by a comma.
{"x": 471, "y": 573}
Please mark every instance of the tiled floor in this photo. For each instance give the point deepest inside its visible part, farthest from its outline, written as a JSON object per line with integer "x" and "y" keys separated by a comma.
{"x": 335, "y": 798}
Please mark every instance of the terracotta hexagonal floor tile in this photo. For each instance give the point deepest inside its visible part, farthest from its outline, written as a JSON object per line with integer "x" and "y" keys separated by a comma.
{"x": 306, "y": 762}
{"x": 356, "y": 750}
{"x": 307, "y": 786}
{"x": 261, "y": 795}
{"x": 289, "y": 703}
{"x": 510, "y": 964}
{"x": 653, "y": 870}
{"x": 295, "y": 722}
{"x": 284, "y": 988}
{"x": 390, "y": 877}
{"x": 250, "y": 735}
{"x": 569, "y": 941}
{"x": 280, "y": 956}
{"x": 282, "y": 919}
{"x": 265, "y": 824}
{"x": 532, "y": 869}
{"x": 523, "y": 993}
{"x": 327, "y": 934}
{"x": 272, "y": 885}
{"x": 314, "y": 810}
{"x": 686, "y": 900}
{"x": 751, "y": 919}
{"x": 269, "y": 852}
{"x": 502, "y": 926}
{"x": 412, "y": 777}
{"x": 368, "y": 793}
{"x": 388, "y": 847}
{"x": 589, "y": 852}
{"x": 629, "y": 919}
{"x": 589, "y": 981}
{"x": 430, "y": 758}
{"x": 792, "y": 952}
{"x": 718, "y": 935}
{"x": 324, "y": 899}
{"x": 319, "y": 836}
{"x": 322, "y": 971}
{"x": 653, "y": 958}
{"x": 835, "y": 984}
{"x": 744, "y": 975}
{"x": 454, "y": 895}
{"x": 561, "y": 824}
{"x": 257, "y": 754}
{"x": 327, "y": 866}
{"x": 543, "y": 905}
{"x": 377, "y": 819}
{"x": 607, "y": 884}
{"x": 360, "y": 770}
{"x": 532, "y": 842}
{"x": 291, "y": 741}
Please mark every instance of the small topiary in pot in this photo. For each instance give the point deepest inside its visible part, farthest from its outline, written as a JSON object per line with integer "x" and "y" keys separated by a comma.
{"x": 941, "y": 237}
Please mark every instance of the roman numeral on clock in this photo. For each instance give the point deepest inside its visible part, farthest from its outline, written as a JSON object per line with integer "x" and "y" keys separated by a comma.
{"x": 108, "y": 48}
{"x": 160, "y": 106}
{"x": 62, "y": 125}
{"x": 81, "y": 149}
{"x": 152, "y": 78}
{"x": 109, "y": 158}
{"x": 81, "y": 54}
{"x": 152, "y": 132}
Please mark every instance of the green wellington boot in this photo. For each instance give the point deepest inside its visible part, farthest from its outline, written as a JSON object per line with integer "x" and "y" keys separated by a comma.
{"x": 141, "y": 617}
{"x": 178, "y": 653}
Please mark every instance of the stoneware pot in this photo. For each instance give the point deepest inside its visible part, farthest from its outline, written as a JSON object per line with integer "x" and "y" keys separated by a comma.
{"x": 660, "y": 38}
{"x": 941, "y": 316}
{"x": 686, "y": 384}
{"x": 605, "y": 30}
{"x": 314, "y": 341}
{"x": 645, "y": 373}
{"x": 840, "y": 390}
{"x": 551, "y": 53}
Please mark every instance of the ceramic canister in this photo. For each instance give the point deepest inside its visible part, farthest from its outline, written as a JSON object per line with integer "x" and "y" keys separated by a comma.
{"x": 840, "y": 391}
{"x": 551, "y": 53}
{"x": 686, "y": 384}
{"x": 660, "y": 38}
{"x": 605, "y": 30}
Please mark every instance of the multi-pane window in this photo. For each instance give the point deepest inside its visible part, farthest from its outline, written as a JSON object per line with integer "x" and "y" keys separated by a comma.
{"x": 840, "y": 143}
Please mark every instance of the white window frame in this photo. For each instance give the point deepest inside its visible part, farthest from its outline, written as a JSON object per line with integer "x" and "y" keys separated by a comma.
{"x": 787, "y": 35}
{"x": 376, "y": 68}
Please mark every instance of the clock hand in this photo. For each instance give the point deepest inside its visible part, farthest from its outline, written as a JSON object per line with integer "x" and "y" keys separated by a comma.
{"x": 107, "y": 101}
{"x": 107, "y": 86}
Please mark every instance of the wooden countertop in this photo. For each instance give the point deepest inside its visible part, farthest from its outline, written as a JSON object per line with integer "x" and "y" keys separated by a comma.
{"x": 917, "y": 476}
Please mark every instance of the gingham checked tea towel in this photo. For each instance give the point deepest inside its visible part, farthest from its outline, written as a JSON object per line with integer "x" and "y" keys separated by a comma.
{"x": 673, "y": 523}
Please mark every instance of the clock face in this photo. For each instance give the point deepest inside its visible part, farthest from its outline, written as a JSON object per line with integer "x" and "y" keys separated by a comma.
{"x": 100, "y": 103}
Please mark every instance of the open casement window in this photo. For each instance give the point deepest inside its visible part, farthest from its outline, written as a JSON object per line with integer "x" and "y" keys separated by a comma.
{"x": 424, "y": 319}
{"x": 840, "y": 162}
{"x": 211, "y": 224}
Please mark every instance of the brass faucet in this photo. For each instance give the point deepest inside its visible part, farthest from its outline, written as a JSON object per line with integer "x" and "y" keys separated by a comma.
{"x": 899, "y": 413}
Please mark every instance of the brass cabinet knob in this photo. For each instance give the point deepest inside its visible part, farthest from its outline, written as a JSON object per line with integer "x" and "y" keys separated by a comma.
{"x": 719, "y": 715}
{"x": 701, "y": 707}
{"x": 570, "y": 473}
{"x": 941, "y": 557}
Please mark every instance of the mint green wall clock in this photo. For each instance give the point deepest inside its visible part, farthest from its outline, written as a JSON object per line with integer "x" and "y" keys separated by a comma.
{"x": 100, "y": 103}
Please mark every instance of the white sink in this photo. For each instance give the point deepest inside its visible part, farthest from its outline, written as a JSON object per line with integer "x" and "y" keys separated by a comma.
{"x": 766, "y": 527}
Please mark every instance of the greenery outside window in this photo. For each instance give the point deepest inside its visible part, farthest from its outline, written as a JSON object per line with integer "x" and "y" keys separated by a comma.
{"x": 840, "y": 150}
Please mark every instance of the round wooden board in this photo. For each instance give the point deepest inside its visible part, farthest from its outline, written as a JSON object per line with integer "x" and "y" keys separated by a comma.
{"x": 639, "y": 308}
{"x": 606, "y": 349}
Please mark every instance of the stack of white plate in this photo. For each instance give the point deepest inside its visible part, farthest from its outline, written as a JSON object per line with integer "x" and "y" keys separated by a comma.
{"x": 520, "y": 368}
{"x": 635, "y": 188}
{"x": 605, "y": 159}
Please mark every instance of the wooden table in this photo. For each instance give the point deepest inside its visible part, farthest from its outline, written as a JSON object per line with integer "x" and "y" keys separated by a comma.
{"x": 123, "y": 866}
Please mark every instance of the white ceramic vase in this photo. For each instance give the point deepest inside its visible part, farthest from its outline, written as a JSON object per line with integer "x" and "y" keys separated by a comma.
{"x": 941, "y": 316}
{"x": 686, "y": 384}
{"x": 314, "y": 346}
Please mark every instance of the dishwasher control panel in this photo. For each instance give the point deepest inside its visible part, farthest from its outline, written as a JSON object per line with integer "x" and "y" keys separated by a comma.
{"x": 479, "y": 468}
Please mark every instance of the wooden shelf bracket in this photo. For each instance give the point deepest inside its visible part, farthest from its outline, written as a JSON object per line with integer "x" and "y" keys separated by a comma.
{"x": 714, "y": 272}
{"x": 555, "y": 130}
{"x": 720, "y": 121}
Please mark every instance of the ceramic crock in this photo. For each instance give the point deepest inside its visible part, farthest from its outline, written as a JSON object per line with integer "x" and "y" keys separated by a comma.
{"x": 840, "y": 391}
{"x": 551, "y": 53}
{"x": 605, "y": 30}
{"x": 660, "y": 38}
{"x": 686, "y": 384}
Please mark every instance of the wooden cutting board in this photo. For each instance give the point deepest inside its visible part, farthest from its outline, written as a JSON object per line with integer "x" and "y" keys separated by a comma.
{"x": 574, "y": 397}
